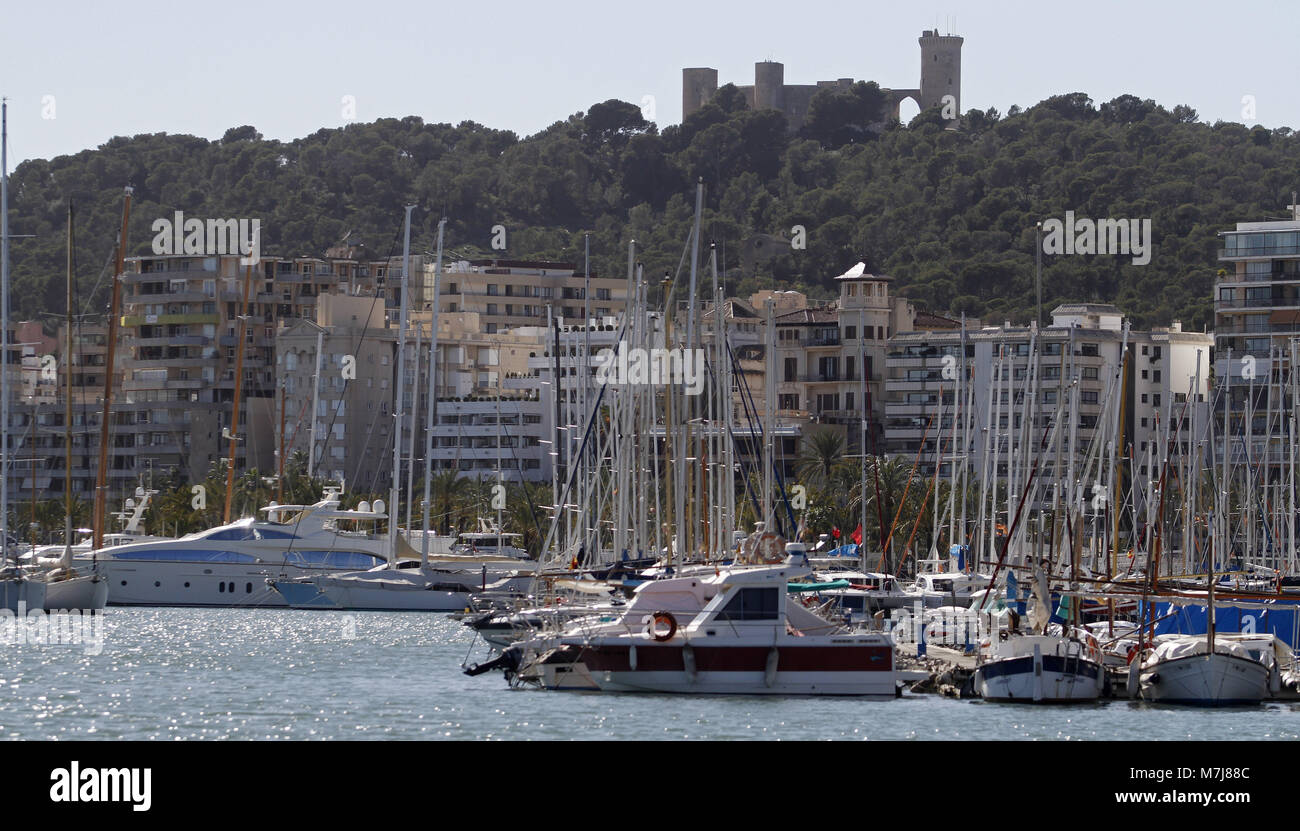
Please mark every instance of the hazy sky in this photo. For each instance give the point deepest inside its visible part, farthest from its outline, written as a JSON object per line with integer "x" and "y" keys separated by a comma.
{"x": 107, "y": 69}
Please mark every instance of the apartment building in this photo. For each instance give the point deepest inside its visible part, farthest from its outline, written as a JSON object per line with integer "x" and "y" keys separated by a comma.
{"x": 337, "y": 403}
{"x": 507, "y": 294}
{"x": 1257, "y": 337}
{"x": 486, "y": 436}
{"x": 1083, "y": 343}
{"x": 829, "y": 357}
{"x": 489, "y": 414}
{"x": 38, "y": 407}
{"x": 180, "y": 325}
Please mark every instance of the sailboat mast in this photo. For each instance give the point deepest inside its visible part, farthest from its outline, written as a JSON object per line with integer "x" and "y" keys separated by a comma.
{"x": 239, "y": 386}
{"x": 399, "y": 381}
{"x": 67, "y": 409}
{"x": 4, "y": 330}
{"x": 432, "y": 394}
{"x": 315, "y": 405}
{"x": 279, "y": 461}
{"x": 101, "y": 490}
{"x": 768, "y": 414}
{"x": 862, "y": 439}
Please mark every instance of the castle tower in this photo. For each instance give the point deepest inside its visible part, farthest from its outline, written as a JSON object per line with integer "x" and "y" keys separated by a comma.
{"x": 769, "y": 86}
{"x": 940, "y": 69}
{"x": 699, "y": 85}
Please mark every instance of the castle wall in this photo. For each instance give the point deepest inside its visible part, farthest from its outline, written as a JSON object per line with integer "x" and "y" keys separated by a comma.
{"x": 940, "y": 76}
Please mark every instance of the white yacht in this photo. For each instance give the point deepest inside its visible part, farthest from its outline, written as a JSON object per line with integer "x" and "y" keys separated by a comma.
{"x": 229, "y": 565}
{"x": 482, "y": 560}
{"x": 408, "y": 587}
{"x": 489, "y": 541}
{"x": 945, "y": 588}
{"x": 734, "y": 632}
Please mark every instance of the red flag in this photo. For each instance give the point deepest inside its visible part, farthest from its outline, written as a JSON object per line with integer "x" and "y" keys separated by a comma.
{"x": 856, "y": 536}
{"x": 835, "y": 532}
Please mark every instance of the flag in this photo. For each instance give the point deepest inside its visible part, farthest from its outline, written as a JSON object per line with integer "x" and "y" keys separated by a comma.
{"x": 835, "y": 532}
{"x": 856, "y": 536}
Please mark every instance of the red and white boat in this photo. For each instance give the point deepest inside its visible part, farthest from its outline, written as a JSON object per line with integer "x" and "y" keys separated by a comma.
{"x": 734, "y": 632}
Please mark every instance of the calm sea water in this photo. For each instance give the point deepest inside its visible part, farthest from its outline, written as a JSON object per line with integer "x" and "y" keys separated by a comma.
{"x": 268, "y": 674}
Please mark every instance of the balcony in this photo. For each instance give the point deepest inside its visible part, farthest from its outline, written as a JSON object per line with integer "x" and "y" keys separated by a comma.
{"x": 169, "y": 297}
{"x": 1259, "y": 303}
{"x": 175, "y": 340}
{"x": 1257, "y": 329}
{"x": 822, "y": 340}
{"x": 1258, "y": 252}
{"x": 166, "y": 320}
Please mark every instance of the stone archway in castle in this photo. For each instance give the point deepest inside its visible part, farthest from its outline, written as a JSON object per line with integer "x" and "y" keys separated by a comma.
{"x": 896, "y": 99}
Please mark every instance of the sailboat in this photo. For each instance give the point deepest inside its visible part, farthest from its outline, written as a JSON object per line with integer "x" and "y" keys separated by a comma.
{"x": 1210, "y": 670}
{"x": 67, "y": 588}
{"x": 1042, "y": 665}
{"x": 18, "y": 592}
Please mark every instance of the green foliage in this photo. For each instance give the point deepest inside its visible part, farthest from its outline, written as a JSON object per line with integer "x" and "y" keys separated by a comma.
{"x": 948, "y": 212}
{"x": 837, "y": 117}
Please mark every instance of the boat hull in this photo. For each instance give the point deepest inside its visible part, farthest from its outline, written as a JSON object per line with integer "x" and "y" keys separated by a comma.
{"x": 87, "y": 592}
{"x": 385, "y": 591}
{"x": 1053, "y": 679}
{"x": 1206, "y": 680}
{"x": 22, "y": 595}
{"x": 162, "y": 583}
{"x": 848, "y": 670}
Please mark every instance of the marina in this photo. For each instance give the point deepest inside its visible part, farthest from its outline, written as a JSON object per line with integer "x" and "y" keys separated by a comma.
{"x": 285, "y": 674}
{"x": 394, "y": 377}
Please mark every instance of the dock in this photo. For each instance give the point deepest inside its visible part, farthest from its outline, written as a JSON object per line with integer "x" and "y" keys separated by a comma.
{"x": 947, "y": 671}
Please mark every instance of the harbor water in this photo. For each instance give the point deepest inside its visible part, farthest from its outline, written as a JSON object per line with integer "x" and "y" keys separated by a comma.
{"x": 166, "y": 673}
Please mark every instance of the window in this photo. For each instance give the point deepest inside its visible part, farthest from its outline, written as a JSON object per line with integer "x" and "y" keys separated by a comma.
{"x": 1090, "y": 373}
{"x": 752, "y": 604}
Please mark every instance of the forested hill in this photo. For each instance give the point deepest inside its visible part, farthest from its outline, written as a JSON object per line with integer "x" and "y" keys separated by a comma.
{"x": 948, "y": 212}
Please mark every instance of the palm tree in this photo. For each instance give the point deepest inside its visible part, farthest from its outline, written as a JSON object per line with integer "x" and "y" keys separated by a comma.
{"x": 525, "y": 514}
{"x": 447, "y": 492}
{"x": 822, "y": 461}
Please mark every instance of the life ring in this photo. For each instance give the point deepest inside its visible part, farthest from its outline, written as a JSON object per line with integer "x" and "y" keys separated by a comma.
{"x": 666, "y": 619}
